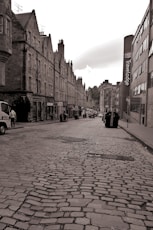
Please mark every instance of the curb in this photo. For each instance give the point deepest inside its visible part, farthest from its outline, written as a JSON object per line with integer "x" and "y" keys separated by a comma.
{"x": 150, "y": 148}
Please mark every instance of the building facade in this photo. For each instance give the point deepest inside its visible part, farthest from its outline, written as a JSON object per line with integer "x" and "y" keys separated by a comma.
{"x": 139, "y": 72}
{"x": 109, "y": 97}
{"x": 39, "y": 83}
{"x": 5, "y": 37}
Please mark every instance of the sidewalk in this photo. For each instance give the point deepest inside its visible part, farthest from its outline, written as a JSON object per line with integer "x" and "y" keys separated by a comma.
{"x": 140, "y": 132}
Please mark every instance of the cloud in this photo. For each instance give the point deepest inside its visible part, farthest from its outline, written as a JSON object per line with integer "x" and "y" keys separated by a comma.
{"x": 100, "y": 56}
{"x": 95, "y": 76}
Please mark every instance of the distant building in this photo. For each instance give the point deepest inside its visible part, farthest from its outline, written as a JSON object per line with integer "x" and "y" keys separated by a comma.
{"x": 109, "y": 97}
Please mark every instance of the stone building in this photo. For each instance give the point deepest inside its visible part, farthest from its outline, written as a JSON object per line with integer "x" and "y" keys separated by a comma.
{"x": 80, "y": 95}
{"x": 30, "y": 70}
{"x": 39, "y": 83}
{"x": 71, "y": 86}
{"x": 5, "y": 38}
{"x": 109, "y": 97}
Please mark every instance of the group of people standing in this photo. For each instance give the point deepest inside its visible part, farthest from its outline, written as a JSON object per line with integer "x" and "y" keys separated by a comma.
{"x": 111, "y": 119}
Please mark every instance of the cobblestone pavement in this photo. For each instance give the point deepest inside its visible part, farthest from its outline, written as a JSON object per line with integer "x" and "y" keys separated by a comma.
{"x": 76, "y": 175}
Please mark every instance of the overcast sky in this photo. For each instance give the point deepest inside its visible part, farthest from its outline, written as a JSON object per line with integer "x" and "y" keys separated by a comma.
{"x": 93, "y": 32}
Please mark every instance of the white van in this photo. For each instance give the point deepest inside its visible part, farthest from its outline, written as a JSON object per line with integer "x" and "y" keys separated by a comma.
{"x": 5, "y": 122}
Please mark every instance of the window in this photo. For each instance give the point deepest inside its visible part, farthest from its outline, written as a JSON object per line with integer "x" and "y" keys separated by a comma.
{"x": 151, "y": 49}
{"x": 39, "y": 86}
{"x": 29, "y": 35}
{"x": 8, "y": 27}
{"x": 1, "y": 24}
{"x": 30, "y": 83}
{"x": 29, "y": 62}
{"x": 151, "y": 80}
{"x": 45, "y": 88}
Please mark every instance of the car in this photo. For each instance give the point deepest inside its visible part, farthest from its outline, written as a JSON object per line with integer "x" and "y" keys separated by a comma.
{"x": 91, "y": 115}
{"x": 100, "y": 115}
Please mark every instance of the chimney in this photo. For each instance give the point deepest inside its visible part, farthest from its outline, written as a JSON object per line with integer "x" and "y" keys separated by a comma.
{"x": 61, "y": 48}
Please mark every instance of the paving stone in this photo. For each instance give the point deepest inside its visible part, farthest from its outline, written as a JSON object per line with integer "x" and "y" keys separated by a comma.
{"x": 49, "y": 221}
{"x": 137, "y": 227}
{"x": 136, "y": 216}
{"x": 26, "y": 211}
{"x": 73, "y": 227}
{"x": 83, "y": 221}
{"x": 65, "y": 220}
{"x": 36, "y": 227}
{"x": 148, "y": 223}
{"x": 91, "y": 228}
{"x": 135, "y": 221}
{"x": 6, "y": 212}
{"x": 22, "y": 225}
{"x": 2, "y": 226}
{"x": 70, "y": 209}
{"x": 79, "y": 202}
{"x": 52, "y": 227}
{"x": 77, "y": 214}
{"x": 107, "y": 221}
{"x": 8, "y": 220}
{"x": 21, "y": 217}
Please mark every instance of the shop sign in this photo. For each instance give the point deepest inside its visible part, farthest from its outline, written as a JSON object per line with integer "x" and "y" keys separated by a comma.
{"x": 127, "y": 72}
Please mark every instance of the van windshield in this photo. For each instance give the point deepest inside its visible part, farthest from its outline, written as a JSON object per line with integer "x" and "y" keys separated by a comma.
{"x": 5, "y": 108}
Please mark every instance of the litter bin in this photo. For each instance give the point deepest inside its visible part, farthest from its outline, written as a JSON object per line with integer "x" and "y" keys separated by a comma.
{"x": 111, "y": 120}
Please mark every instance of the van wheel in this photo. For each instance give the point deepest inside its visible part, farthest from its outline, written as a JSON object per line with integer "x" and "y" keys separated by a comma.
{"x": 2, "y": 129}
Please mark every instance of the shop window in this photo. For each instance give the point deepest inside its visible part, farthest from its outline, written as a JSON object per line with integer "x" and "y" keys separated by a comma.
{"x": 135, "y": 108}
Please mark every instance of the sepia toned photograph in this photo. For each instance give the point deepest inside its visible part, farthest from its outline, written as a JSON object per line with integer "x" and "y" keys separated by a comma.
{"x": 76, "y": 115}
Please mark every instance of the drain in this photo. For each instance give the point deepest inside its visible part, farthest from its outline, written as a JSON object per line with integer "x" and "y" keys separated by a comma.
{"x": 111, "y": 157}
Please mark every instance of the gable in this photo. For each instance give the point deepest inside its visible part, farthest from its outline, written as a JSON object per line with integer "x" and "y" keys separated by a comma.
{"x": 32, "y": 24}
{"x": 28, "y": 22}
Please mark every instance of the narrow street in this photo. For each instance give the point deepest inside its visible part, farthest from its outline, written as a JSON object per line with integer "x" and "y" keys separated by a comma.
{"x": 75, "y": 175}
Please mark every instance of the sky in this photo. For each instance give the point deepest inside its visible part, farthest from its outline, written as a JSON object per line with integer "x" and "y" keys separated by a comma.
{"x": 93, "y": 32}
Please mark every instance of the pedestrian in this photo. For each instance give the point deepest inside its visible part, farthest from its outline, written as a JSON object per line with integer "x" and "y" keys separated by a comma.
{"x": 65, "y": 116}
{"x": 13, "y": 117}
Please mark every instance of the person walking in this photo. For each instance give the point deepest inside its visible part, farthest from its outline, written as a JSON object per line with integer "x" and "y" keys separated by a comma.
{"x": 13, "y": 117}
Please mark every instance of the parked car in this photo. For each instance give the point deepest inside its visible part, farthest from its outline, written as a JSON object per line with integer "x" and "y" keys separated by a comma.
{"x": 91, "y": 115}
{"x": 100, "y": 115}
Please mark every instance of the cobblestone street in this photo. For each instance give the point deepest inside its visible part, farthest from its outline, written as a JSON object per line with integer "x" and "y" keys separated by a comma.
{"x": 76, "y": 175}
